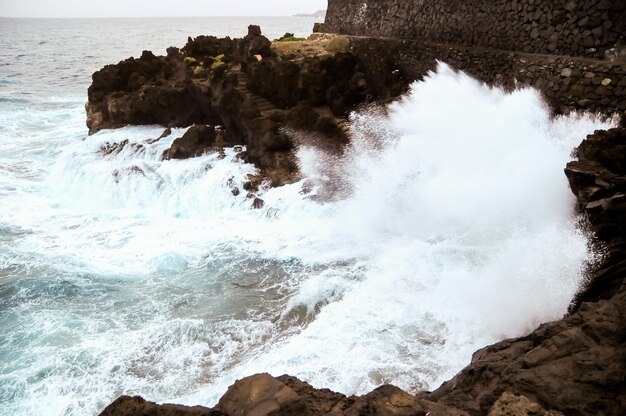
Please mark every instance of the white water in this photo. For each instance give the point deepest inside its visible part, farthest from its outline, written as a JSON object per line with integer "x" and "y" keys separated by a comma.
{"x": 125, "y": 274}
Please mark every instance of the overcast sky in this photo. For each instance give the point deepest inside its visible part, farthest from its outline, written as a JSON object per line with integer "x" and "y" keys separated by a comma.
{"x": 158, "y": 8}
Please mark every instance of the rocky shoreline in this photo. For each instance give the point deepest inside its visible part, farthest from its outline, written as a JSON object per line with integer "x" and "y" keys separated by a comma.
{"x": 261, "y": 94}
{"x": 575, "y": 366}
{"x": 257, "y": 93}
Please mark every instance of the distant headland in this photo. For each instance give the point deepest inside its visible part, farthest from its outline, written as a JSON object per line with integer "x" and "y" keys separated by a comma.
{"x": 320, "y": 13}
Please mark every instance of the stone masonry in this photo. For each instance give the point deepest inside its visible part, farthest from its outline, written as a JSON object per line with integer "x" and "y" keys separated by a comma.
{"x": 589, "y": 28}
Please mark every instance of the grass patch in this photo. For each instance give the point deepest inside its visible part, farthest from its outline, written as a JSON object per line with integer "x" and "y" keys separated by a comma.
{"x": 289, "y": 37}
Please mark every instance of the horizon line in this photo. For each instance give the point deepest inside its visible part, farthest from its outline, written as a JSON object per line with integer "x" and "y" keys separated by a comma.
{"x": 150, "y": 17}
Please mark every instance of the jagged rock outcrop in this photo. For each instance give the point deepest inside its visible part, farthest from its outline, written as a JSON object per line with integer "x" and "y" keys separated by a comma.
{"x": 573, "y": 367}
{"x": 598, "y": 178}
{"x": 260, "y": 91}
{"x": 195, "y": 142}
{"x": 256, "y": 91}
{"x": 147, "y": 90}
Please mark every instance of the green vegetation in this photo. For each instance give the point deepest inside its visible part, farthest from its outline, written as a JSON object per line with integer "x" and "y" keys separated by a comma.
{"x": 289, "y": 37}
{"x": 217, "y": 61}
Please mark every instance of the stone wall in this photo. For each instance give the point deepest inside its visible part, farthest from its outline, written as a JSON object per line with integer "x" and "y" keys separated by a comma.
{"x": 567, "y": 83}
{"x": 590, "y": 28}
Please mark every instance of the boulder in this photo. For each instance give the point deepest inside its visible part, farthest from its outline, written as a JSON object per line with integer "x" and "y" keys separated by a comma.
{"x": 387, "y": 400}
{"x": 195, "y": 142}
{"x": 262, "y": 395}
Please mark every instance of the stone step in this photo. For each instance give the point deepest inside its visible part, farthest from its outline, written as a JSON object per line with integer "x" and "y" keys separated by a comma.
{"x": 262, "y": 103}
{"x": 259, "y": 100}
{"x": 266, "y": 107}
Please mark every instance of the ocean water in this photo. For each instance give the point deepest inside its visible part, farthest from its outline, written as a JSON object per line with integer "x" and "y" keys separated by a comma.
{"x": 123, "y": 274}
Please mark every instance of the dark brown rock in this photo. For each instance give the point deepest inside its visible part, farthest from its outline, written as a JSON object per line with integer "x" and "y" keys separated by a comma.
{"x": 221, "y": 81}
{"x": 598, "y": 179}
{"x": 195, "y": 142}
{"x": 318, "y": 401}
{"x": 148, "y": 90}
{"x": 516, "y": 405}
{"x": 206, "y": 48}
{"x": 254, "y": 30}
{"x": 111, "y": 149}
{"x": 136, "y": 406}
{"x": 319, "y": 28}
{"x": 386, "y": 400}
{"x": 258, "y": 203}
{"x": 262, "y": 395}
{"x": 165, "y": 133}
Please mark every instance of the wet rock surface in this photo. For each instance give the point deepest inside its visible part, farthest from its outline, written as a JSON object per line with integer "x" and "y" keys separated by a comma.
{"x": 195, "y": 142}
{"x": 598, "y": 178}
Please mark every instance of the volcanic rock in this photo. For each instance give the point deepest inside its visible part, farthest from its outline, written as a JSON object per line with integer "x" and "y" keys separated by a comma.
{"x": 136, "y": 406}
{"x": 598, "y": 179}
{"x": 195, "y": 142}
{"x": 259, "y": 92}
{"x": 148, "y": 90}
{"x": 262, "y": 395}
